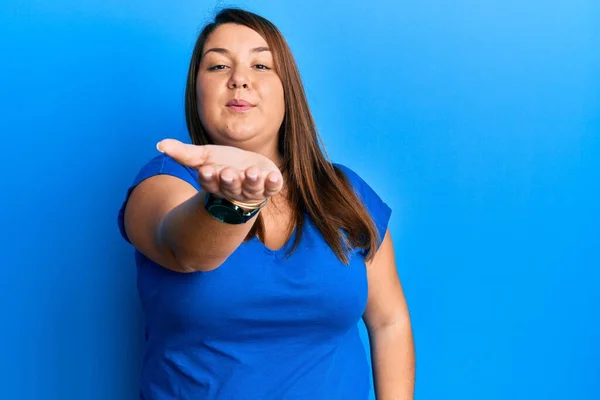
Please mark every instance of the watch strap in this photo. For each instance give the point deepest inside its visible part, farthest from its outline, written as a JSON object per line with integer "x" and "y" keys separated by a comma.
{"x": 231, "y": 211}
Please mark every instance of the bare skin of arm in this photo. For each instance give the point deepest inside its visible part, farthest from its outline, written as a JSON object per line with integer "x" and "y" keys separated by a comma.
{"x": 388, "y": 324}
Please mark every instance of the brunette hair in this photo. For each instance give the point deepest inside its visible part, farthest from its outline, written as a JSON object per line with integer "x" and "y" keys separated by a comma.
{"x": 314, "y": 185}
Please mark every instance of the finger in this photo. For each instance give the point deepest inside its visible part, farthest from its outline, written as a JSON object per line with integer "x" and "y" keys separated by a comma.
{"x": 273, "y": 184}
{"x": 208, "y": 179}
{"x": 230, "y": 183}
{"x": 185, "y": 154}
{"x": 253, "y": 184}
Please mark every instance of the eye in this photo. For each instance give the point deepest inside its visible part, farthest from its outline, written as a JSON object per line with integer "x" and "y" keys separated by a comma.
{"x": 262, "y": 67}
{"x": 217, "y": 67}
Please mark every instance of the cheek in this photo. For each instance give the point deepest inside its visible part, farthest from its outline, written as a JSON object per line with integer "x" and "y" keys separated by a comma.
{"x": 206, "y": 96}
{"x": 273, "y": 93}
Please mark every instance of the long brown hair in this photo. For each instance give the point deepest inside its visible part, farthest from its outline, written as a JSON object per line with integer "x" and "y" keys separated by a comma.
{"x": 314, "y": 184}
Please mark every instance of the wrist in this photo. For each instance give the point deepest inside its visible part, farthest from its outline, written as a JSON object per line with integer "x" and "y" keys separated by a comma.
{"x": 249, "y": 206}
{"x": 231, "y": 211}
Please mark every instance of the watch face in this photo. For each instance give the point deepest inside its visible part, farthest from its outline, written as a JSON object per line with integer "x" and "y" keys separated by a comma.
{"x": 225, "y": 214}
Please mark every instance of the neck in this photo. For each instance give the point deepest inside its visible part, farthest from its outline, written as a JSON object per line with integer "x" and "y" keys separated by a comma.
{"x": 270, "y": 149}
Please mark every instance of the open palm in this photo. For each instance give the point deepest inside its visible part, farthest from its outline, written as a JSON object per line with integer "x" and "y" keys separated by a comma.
{"x": 227, "y": 171}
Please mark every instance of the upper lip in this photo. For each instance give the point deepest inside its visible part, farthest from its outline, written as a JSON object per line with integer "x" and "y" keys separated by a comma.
{"x": 239, "y": 103}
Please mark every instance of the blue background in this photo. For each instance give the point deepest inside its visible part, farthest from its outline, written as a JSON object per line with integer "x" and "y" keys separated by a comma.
{"x": 477, "y": 121}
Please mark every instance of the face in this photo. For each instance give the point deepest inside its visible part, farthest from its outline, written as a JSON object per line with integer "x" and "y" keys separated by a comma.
{"x": 240, "y": 96}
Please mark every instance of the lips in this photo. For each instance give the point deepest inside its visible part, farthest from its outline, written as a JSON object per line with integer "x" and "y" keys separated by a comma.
{"x": 239, "y": 105}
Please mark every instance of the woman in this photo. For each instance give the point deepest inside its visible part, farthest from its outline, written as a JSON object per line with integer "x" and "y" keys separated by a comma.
{"x": 256, "y": 256}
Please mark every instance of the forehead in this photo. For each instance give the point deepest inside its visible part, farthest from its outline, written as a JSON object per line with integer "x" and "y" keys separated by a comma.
{"x": 234, "y": 38}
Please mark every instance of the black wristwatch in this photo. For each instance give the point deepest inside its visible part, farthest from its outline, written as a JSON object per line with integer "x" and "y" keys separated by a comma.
{"x": 225, "y": 211}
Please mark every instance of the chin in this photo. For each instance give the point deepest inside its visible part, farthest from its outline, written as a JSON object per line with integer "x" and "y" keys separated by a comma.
{"x": 239, "y": 135}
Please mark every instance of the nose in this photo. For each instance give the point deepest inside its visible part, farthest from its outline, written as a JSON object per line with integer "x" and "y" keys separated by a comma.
{"x": 235, "y": 85}
{"x": 238, "y": 80}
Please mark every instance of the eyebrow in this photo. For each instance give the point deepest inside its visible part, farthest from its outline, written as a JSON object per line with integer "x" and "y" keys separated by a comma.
{"x": 222, "y": 50}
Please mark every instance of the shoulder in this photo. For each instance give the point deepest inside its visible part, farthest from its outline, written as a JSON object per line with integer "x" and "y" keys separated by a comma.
{"x": 346, "y": 170}
{"x": 363, "y": 189}
{"x": 379, "y": 210}
{"x": 160, "y": 164}
{"x": 349, "y": 173}
{"x": 163, "y": 164}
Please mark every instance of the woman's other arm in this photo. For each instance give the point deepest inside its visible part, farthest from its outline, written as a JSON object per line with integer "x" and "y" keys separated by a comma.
{"x": 388, "y": 324}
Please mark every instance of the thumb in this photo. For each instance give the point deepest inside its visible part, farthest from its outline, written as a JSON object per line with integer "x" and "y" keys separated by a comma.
{"x": 185, "y": 154}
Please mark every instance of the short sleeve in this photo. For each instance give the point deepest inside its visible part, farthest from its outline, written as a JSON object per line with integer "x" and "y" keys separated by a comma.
{"x": 379, "y": 210}
{"x": 159, "y": 165}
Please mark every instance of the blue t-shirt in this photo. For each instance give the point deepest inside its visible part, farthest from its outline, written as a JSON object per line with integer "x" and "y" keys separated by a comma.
{"x": 261, "y": 326}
